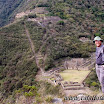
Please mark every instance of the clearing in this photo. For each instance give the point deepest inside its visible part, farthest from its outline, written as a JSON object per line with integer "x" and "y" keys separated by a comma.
{"x": 74, "y": 75}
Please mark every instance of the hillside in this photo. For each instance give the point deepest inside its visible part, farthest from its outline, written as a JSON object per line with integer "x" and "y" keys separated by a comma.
{"x": 9, "y": 8}
{"x": 18, "y": 66}
{"x": 6, "y": 9}
{"x": 42, "y": 41}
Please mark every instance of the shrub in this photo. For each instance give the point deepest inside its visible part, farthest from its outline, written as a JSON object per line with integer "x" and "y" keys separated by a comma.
{"x": 49, "y": 99}
{"x": 29, "y": 88}
{"x": 43, "y": 5}
{"x": 28, "y": 91}
{"x": 48, "y": 63}
{"x": 41, "y": 61}
{"x": 18, "y": 91}
{"x": 38, "y": 100}
{"x": 97, "y": 34}
{"x": 94, "y": 84}
{"x": 32, "y": 16}
{"x": 92, "y": 80}
{"x": 26, "y": 88}
{"x": 28, "y": 94}
{"x": 51, "y": 89}
{"x": 60, "y": 23}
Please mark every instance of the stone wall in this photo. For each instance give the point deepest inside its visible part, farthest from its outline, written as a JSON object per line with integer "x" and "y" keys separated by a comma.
{"x": 80, "y": 63}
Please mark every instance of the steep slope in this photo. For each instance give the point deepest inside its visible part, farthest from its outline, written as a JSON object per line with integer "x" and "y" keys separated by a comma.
{"x": 16, "y": 59}
{"x": 9, "y": 8}
{"x": 6, "y": 9}
{"x": 53, "y": 37}
{"x": 18, "y": 65}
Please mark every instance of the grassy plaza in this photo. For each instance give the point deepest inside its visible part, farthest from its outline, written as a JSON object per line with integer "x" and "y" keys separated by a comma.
{"x": 74, "y": 75}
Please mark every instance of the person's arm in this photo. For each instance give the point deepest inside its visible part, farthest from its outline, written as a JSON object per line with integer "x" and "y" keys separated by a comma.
{"x": 103, "y": 56}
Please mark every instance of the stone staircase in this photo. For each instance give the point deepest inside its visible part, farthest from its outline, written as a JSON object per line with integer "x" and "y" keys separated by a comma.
{"x": 39, "y": 56}
{"x": 39, "y": 60}
{"x": 74, "y": 86}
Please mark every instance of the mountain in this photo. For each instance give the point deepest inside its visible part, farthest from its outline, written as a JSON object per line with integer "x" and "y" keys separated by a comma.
{"x": 9, "y": 8}
{"x": 6, "y": 9}
{"x": 46, "y": 33}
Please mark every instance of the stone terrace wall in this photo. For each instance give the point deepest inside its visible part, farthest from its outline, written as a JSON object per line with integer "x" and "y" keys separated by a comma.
{"x": 80, "y": 63}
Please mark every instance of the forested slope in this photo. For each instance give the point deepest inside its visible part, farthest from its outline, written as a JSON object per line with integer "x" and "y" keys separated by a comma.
{"x": 6, "y": 9}
{"x": 55, "y": 41}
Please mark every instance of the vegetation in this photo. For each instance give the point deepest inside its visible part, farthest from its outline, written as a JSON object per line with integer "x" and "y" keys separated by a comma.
{"x": 79, "y": 18}
{"x": 60, "y": 22}
{"x": 49, "y": 99}
{"x": 32, "y": 16}
{"x": 92, "y": 81}
{"x": 37, "y": 34}
{"x": 6, "y": 9}
{"x": 66, "y": 46}
{"x": 34, "y": 91}
{"x": 28, "y": 91}
{"x": 16, "y": 65}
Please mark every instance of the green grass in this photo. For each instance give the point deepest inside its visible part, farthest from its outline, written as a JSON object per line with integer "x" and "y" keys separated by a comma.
{"x": 52, "y": 79}
{"x": 74, "y": 75}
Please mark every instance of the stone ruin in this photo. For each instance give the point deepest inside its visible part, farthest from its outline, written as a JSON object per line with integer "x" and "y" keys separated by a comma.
{"x": 84, "y": 39}
{"x": 80, "y": 63}
{"x": 72, "y": 85}
{"x": 46, "y": 20}
{"x": 73, "y": 63}
{"x": 37, "y": 10}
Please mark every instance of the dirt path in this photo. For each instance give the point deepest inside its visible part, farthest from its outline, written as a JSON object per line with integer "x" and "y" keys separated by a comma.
{"x": 33, "y": 49}
{"x": 38, "y": 56}
{"x": 30, "y": 41}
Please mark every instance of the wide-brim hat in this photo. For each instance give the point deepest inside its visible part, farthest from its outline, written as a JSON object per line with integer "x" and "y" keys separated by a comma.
{"x": 97, "y": 38}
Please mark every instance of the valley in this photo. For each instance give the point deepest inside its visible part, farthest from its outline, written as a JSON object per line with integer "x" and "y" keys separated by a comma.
{"x": 47, "y": 51}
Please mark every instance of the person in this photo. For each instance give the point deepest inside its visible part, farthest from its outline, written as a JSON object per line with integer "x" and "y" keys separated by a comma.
{"x": 99, "y": 60}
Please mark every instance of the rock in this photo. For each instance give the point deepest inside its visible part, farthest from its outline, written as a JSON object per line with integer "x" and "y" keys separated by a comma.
{"x": 57, "y": 101}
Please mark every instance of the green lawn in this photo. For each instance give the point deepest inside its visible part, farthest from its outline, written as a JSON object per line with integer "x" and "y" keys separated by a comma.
{"x": 74, "y": 75}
